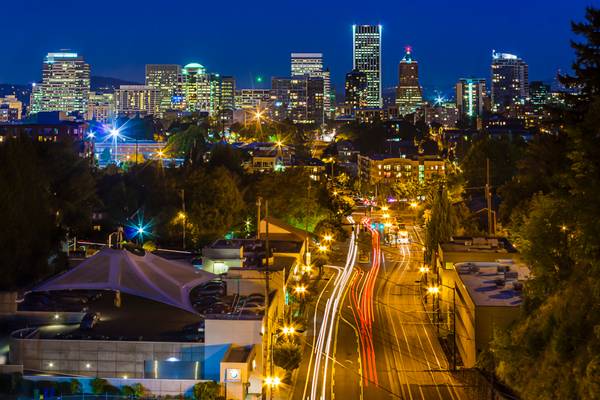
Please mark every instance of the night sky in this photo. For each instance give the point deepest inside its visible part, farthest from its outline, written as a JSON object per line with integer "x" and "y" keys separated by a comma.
{"x": 450, "y": 39}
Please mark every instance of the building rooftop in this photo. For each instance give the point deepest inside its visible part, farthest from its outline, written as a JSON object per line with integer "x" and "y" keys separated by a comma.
{"x": 463, "y": 244}
{"x": 494, "y": 283}
{"x": 239, "y": 354}
{"x": 134, "y": 319}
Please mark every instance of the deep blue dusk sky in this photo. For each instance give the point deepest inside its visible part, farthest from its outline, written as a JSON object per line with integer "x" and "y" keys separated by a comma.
{"x": 450, "y": 39}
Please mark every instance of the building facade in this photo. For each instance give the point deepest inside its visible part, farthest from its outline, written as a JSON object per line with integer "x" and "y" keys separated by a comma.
{"x": 298, "y": 98}
{"x": 390, "y": 169}
{"x": 65, "y": 84}
{"x": 311, "y": 64}
{"x": 132, "y": 100}
{"x": 11, "y": 109}
{"x": 356, "y": 89}
{"x": 101, "y": 107}
{"x": 471, "y": 97}
{"x": 409, "y": 95}
{"x": 163, "y": 77}
{"x": 252, "y": 98}
{"x": 510, "y": 81}
{"x": 366, "y": 58}
{"x": 199, "y": 91}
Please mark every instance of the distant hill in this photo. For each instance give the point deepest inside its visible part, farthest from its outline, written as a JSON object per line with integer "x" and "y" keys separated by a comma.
{"x": 104, "y": 84}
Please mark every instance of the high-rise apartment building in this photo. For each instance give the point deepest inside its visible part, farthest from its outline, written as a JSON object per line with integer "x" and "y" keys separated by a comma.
{"x": 101, "y": 107}
{"x": 539, "y": 95}
{"x": 298, "y": 98}
{"x": 200, "y": 91}
{"x": 252, "y": 98}
{"x": 227, "y": 93}
{"x": 65, "y": 84}
{"x": 165, "y": 78}
{"x": 409, "y": 95}
{"x": 227, "y": 100}
{"x": 510, "y": 81}
{"x": 367, "y": 58}
{"x": 356, "y": 89}
{"x": 470, "y": 97}
{"x": 306, "y": 64}
{"x": 132, "y": 100}
{"x": 311, "y": 64}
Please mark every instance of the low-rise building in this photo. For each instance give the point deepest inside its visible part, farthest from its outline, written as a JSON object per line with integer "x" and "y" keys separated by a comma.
{"x": 476, "y": 298}
{"x": 13, "y": 108}
{"x": 51, "y": 127}
{"x": 376, "y": 169}
{"x": 467, "y": 248}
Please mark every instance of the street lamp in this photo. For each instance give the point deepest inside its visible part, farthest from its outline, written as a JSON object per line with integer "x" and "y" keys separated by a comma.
{"x": 300, "y": 289}
{"x": 288, "y": 330}
{"x": 114, "y": 134}
{"x": 327, "y": 238}
{"x": 272, "y": 381}
{"x": 433, "y": 290}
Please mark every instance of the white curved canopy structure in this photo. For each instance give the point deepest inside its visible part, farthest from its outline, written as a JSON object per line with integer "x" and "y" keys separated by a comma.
{"x": 147, "y": 276}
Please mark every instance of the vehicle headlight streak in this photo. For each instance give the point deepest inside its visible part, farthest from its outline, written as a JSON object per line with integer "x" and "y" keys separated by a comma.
{"x": 323, "y": 345}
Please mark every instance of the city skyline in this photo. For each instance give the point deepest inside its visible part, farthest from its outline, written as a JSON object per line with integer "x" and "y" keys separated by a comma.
{"x": 546, "y": 50}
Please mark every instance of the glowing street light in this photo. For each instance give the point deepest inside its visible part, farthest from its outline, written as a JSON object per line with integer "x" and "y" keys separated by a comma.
{"x": 433, "y": 290}
{"x": 300, "y": 289}
{"x": 327, "y": 238}
{"x": 323, "y": 248}
{"x": 272, "y": 381}
{"x": 424, "y": 270}
{"x": 414, "y": 204}
{"x": 384, "y": 208}
{"x": 288, "y": 330}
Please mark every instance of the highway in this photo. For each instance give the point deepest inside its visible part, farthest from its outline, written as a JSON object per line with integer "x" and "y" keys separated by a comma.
{"x": 372, "y": 336}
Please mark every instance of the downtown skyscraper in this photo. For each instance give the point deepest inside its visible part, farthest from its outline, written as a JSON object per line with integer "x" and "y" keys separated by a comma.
{"x": 366, "y": 46}
{"x": 311, "y": 64}
{"x": 65, "y": 84}
{"x": 510, "y": 81}
{"x": 471, "y": 97}
{"x": 163, "y": 77}
{"x": 409, "y": 95}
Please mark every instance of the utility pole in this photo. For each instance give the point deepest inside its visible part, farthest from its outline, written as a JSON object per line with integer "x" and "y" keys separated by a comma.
{"x": 258, "y": 204}
{"x": 267, "y": 330}
{"x": 184, "y": 217}
{"x": 488, "y": 197}
{"x": 454, "y": 328}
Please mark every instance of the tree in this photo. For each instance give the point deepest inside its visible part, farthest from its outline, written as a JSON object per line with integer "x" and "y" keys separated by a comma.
{"x": 503, "y": 154}
{"x": 190, "y": 143}
{"x": 32, "y": 213}
{"x": 552, "y": 351}
{"x": 98, "y": 385}
{"x": 224, "y": 155}
{"x": 442, "y": 223}
{"x": 287, "y": 355}
{"x": 215, "y": 203}
{"x": 207, "y": 390}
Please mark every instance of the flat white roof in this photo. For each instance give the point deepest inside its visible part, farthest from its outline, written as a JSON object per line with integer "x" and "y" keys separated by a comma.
{"x": 480, "y": 279}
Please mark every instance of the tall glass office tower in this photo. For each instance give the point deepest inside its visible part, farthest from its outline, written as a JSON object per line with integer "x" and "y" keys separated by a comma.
{"x": 367, "y": 58}
{"x": 65, "y": 84}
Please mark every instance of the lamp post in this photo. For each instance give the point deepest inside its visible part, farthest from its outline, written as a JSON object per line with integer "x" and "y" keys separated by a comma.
{"x": 435, "y": 291}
